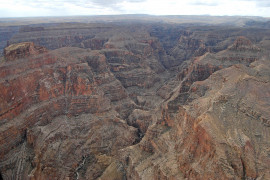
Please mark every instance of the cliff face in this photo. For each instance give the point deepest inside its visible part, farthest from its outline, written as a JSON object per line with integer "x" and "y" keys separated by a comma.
{"x": 216, "y": 132}
{"x": 52, "y": 106}
{"x": 200, "y": 132}
{"x": 135, "y": 102}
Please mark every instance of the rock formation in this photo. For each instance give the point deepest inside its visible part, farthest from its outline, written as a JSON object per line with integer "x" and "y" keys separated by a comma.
{"x": 22, "y": 50}
{"x": 140, "y": 101}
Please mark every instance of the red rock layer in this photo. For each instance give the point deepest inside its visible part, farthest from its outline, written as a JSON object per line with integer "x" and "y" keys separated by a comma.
{"x": 47, "y": 91}
{"x": 21, "y": 50}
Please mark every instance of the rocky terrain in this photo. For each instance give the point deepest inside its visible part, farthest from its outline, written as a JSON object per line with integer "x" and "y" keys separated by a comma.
{"x": 142, "y": 100}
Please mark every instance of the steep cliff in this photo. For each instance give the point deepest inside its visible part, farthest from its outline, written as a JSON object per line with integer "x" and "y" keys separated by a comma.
{"x": 55, "y": 114}
{"x": 220, "y": 131}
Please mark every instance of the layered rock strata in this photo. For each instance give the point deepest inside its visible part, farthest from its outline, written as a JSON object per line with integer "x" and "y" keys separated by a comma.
{"x": 135, "y": 102}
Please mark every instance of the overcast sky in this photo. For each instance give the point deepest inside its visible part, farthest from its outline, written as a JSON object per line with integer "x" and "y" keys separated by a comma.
{"x": 25, "y": 8}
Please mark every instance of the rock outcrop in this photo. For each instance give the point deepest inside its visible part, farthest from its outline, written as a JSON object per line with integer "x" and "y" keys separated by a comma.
{"x": 22, "y": 50}
{"x": 242, "y": 44}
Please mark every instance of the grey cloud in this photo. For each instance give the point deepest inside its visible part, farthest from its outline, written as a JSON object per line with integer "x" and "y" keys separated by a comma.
{"x": 82, "y": 3}
{"x": 203, "y": 3}
{"x": 261, "y": 3}
{"x": 112, "y": 2}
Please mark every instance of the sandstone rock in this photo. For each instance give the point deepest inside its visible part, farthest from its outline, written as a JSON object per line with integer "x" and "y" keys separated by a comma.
{"x": 95, "y": 43}
{"x": 242, "y": 43}
{"x": 114, "y": 172}
{"x": 55, "y": 93}
{"x": 22, "y": 50}
{"x": 208, "y": 137}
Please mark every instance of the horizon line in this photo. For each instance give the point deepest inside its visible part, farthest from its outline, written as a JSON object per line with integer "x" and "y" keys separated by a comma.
{"x": 153, "y": 15}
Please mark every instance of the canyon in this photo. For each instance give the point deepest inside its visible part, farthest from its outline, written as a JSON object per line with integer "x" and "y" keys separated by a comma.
{"x": 143, "y": 98}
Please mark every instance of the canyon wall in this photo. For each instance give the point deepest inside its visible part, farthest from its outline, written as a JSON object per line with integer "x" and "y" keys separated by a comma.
{"x": 135, "y": 101}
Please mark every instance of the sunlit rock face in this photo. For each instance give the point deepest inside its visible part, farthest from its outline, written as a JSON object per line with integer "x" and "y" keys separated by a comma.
{"x": 135, "y": 101}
